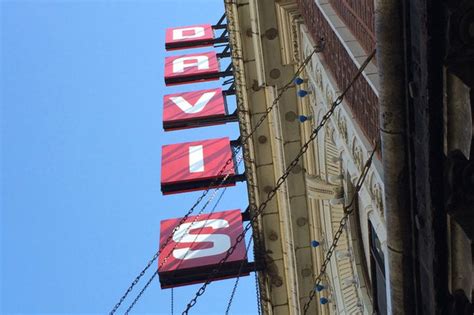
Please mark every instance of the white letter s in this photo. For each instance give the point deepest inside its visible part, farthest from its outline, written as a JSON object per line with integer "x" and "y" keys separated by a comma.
{"x": 220, "y": 242}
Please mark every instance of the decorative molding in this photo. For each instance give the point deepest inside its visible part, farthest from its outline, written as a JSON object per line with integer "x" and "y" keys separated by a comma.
{"x": 344, "y": 130}
{"x": 330, "y": 133}
{"x": 329, "y": 95}
{"x": 233, "y": 26}
{"x": 309, "y": 66}
{"x": 342, "y": 126}
{"x": 288, "y": 19}
{"x": 318, "y": 76}
{"x": 295, "y": 25}
{"x": 357, "y": 155}
{"x": 321, "y": 189}
{"x": 353, "y": 147}
{"x": 377, "y": 194}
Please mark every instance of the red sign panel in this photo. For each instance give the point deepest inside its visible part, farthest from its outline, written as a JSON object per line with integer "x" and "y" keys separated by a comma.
{"x": 192, "y": 107}
{"x": 189, "y": 36}
{"x": 198, "y": 245}
{"x": 191, "y": 68}
{"x": 198, "y": 161}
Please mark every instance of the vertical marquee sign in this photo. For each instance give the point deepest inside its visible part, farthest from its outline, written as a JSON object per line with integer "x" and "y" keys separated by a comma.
{"x": 200, "y": 242}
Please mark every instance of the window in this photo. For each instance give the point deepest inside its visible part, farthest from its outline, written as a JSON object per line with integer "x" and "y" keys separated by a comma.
{"x": 377, "y": 263}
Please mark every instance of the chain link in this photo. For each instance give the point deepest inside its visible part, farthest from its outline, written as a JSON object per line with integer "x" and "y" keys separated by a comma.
{"x": 348, "y": 209}
{"x": 278, "y": 184}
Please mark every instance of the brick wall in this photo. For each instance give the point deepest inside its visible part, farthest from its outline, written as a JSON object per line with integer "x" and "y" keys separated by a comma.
{"x": 361, "y": 98}
{"x": 358, "y": 15}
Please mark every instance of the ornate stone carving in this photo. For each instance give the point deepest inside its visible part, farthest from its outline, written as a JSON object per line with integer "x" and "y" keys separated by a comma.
{"x": 377, "y": 196}
{"x": 319, "y": 76}
{"x": 314, "y": 92}
{"x": 330, "y": 133}
{"x": 342, "y": 126}
{"x": 295, "y": 41}
{"x": 329, "y": 96}
{"x": 321, "y": 189}
{"x": 358, "y": 156}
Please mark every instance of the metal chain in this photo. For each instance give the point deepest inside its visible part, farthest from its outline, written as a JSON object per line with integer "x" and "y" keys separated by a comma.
{"x": 172, "y": 301}
{"x": 182, "y": 220}
{"x": 278, "y": 184}
{"x": 213, "y": 184}
{"x": 236, "y": 283}
{"x": 141, "y": 292}
{"x": 257, "y": 289}
{"x": 135, "y": 281}
{"x": 174, "y": 230}
{"x": 156, "y": 273}
{"x": 348, "y": 209}
{"x": 259, "y": 260}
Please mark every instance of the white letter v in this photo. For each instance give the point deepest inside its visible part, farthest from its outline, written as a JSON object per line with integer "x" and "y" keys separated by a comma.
{"x": 196, "y": 108}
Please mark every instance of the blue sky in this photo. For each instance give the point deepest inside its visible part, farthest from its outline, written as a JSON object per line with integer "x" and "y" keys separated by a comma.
{"x": 81, "y": 92}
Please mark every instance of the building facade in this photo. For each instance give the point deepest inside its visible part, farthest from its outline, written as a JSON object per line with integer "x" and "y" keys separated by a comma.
{"x": 376, "y": 267}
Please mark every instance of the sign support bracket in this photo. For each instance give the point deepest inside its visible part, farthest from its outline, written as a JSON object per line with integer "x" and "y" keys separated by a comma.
{"x": 220, "y": 24}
